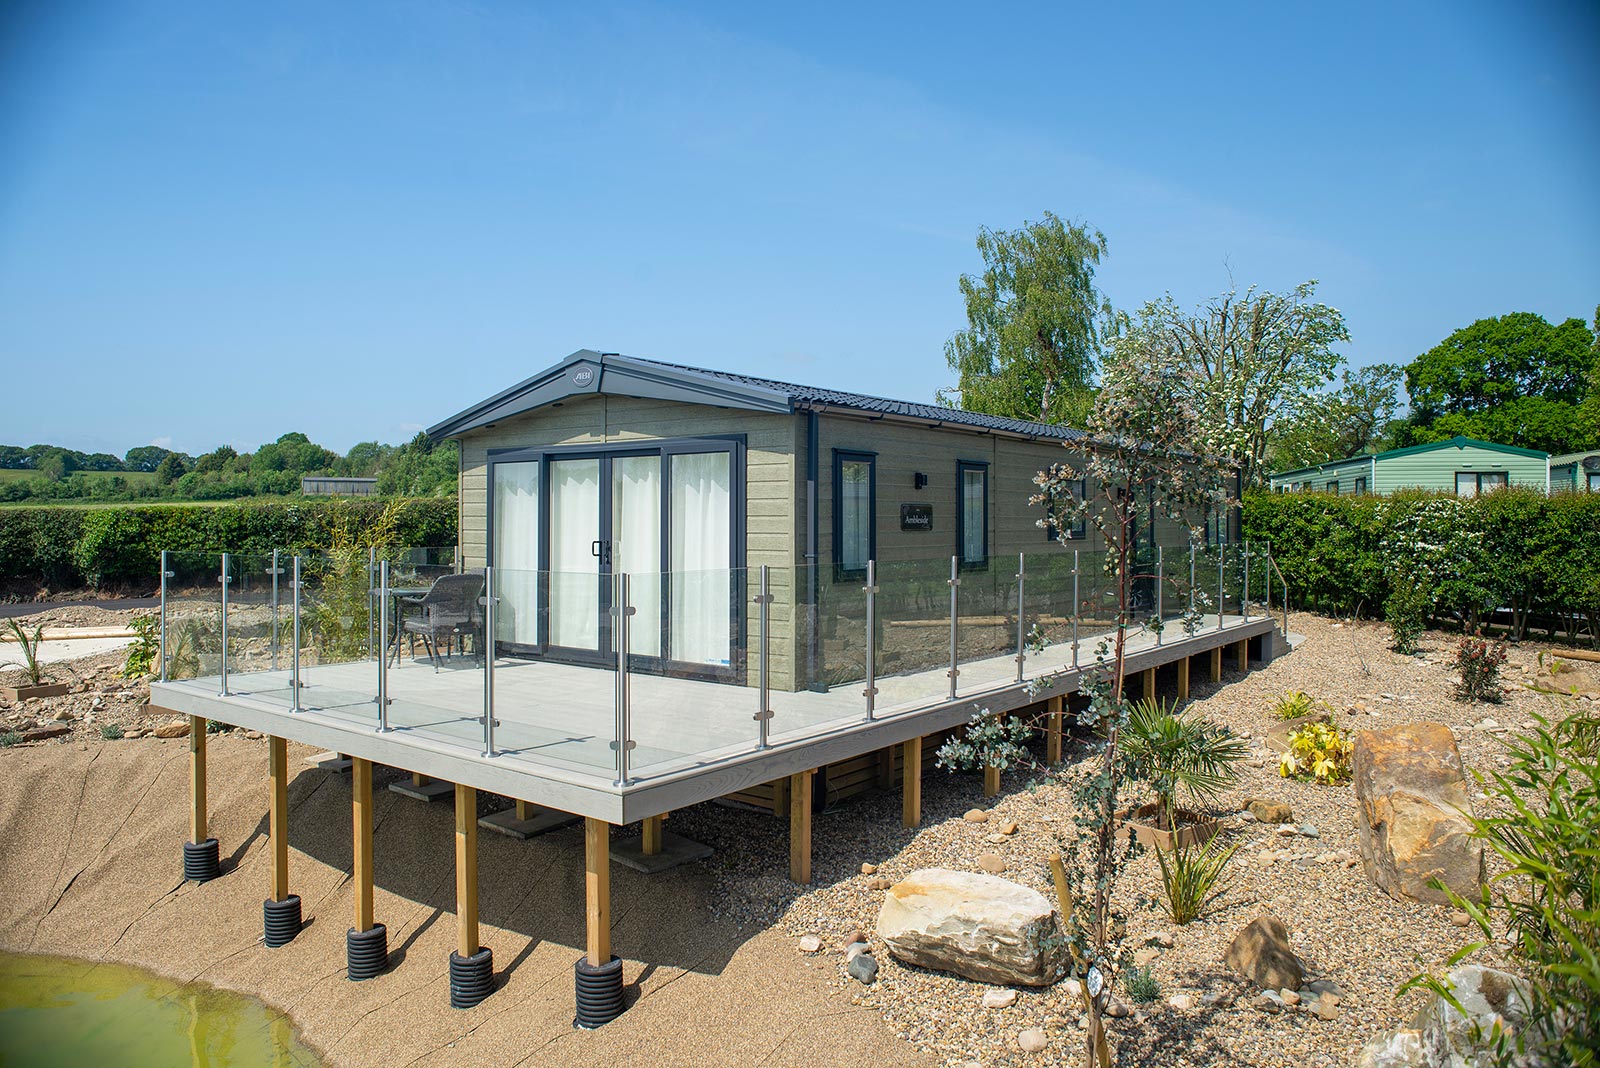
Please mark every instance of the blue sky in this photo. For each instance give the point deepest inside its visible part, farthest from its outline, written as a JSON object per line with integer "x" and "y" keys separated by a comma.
{"x": 220, "y": 222}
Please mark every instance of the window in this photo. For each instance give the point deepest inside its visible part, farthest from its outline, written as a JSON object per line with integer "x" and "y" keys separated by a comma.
{"x": 1594, "y": 481}
{"x": 1472, "y": 483}
{"x": 1079, "y": 490}
{"x": 1333, "y": 486}
{"x": 972, "y": 512}
{"x": 855, "y": 505}
{"x": 1361, "y": 484}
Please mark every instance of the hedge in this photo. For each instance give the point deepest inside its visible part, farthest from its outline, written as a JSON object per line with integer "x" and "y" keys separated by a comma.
{"x": 63, "y": 548}
{"x": 1516, "y": 550}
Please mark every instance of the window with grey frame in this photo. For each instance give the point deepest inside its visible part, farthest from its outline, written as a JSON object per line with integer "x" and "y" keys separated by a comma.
{"x": 972, "y": 513}
{"x": 1333, "y": 486}
{"x": 1075, "y": 529}
{"x": 1472, "y": 483}
{"x": 1361, "y": 484}
{"x": 855, "y": 506}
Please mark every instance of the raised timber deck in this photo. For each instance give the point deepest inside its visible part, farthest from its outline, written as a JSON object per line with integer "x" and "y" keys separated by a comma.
{"x": 694, "y": 740}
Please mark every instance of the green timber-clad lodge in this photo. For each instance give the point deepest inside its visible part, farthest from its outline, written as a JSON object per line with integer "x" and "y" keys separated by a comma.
{"x": 1460, "y": 465}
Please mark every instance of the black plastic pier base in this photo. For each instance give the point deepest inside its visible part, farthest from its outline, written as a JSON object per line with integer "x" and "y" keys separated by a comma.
{"x": 366, "y": 952}
{"x": 471, "y": 978}
{"x": 282, "y": 920}
{"x": 202, "y": 861}
{"x": 599, "y": 992}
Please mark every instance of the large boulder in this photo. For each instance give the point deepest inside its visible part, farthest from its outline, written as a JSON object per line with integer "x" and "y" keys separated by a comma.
{"x": 1412, "y": 812}
{"x": 1262, "y": 954}
{"x": 1441, "y": 1036}
{"x": 985, "y": 928}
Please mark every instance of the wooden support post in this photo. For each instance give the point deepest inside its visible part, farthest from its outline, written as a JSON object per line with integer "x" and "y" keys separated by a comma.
{"x": 1216, "y": 664}
{"x": 278, "y": 814}
{"x": 1243, "y": 650}
{"x": 361, "y": 819}
{"x": 886, "y": 767}
{"x": 1149, "y": 684}
{"x": 597, "y": 889}
{"x": 991, "y": 781}
{"x": 911, "y": 783}
{"x": 524, "y": 810}
{"x": 651, "y": 841}
{"x": 1052, "y": 731}
{"x": 466, "y": 871}
{"x": 800, "y": 827}
{"x": 1183, "y": 679}
{"x": 780, "y": 797}
{"x": 197, "y": 779}
{"x": 418, "y": 779}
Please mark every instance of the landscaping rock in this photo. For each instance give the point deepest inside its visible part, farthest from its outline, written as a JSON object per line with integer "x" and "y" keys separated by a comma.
{"x": 869, "y": 869}
{"x": 175, "y": 728}
{"x": 1269, "y": 811}
{"x": 1033, "y": 1040}
{"x": 863, "y": 968}
{"x": 993, "y": 863}
{"x": 1181, "y": 1002}
{"x": 999, "y": 999}
{"x": 1411, "y": 812}
{"x": 1262, "y": 954}
{"x": 854, "y": 950}
{"x": 39, "y": 734}
{"x": 976, "y": 815}
{"x": 810, "y": 943}
{"x": 1441, "y": 1036}
{"x": 988, "y": 929}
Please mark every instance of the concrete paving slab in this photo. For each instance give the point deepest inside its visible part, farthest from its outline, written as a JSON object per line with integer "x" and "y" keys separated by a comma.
{"x": 543, "y": 821}
{"x": 675, "y": 850}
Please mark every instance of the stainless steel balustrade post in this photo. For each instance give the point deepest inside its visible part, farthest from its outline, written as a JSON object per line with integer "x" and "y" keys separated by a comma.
{"x": 622, "y": 611}
{"x": 1161, "y": 563}
{"x": 1193, "y": 622}
{"x": 1075, "y": 610}
{"x": 383, "y": 651}
{"x": 294, "y": 673}
{"x": 955, "y": 591}
{"x": 372, "y": 575}
{"x": 165, "y": 574}
{"x": 224, "y": 580}
{"x": 1022, "y": 634}
{"x": 763, "y": 716}
{"x": 871, "y": 590}
{"x": 489, "y": 600}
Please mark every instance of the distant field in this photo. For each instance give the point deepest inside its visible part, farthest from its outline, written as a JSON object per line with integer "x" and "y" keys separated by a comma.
{"x": 133, "y": 478}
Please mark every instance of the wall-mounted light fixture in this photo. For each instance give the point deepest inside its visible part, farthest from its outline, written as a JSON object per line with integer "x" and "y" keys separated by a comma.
{"x": 920, "y": 480}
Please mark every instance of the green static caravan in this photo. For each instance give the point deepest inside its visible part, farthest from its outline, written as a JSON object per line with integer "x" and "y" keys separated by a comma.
{"x": 1575, "y": 472}
{"x": 691, "y": 481}
{"x": 1461, "y": 465}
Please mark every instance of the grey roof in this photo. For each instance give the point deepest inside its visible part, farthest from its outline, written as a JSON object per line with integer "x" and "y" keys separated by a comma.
{"x": 586, "y": 371}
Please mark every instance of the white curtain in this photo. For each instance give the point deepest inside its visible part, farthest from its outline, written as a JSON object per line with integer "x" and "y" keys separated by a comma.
{"x": 574, "y": 569}
{"x": 702, "y": 622}
{"x": 855, "y": 513}
{"x": 972, "y": 517}
{"x": 636, "y": 545}
{"x": 516, "y": 552}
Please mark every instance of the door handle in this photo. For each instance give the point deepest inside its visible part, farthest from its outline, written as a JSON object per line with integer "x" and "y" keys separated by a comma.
{"x": 594, "y": 549}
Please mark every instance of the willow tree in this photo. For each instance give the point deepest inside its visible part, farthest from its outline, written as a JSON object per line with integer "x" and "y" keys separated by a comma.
{"x": 1032, "y": 340}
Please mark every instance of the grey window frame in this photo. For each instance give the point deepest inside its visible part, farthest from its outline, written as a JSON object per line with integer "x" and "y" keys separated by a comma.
{"x": 840, "y": 458}
{"x": 962, "y": 467}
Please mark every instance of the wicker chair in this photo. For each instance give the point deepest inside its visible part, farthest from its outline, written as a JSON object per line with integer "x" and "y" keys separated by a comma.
{"x": 448, "y": 612}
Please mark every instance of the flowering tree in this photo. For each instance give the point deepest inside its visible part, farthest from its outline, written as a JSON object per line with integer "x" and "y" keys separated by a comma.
{"x": 1145, "y": 425}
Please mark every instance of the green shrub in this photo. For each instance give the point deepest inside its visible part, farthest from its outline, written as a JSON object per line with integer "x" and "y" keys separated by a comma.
{"x": 111, "y": 731}
{"x": 66, "y": 547}
{"x": 1546, "y": 901}
{"x": 1179, "y": 753}
{"x": 1295, "y": 704}
{"x": 1318, "y": 752}
{"x": 9, "y": 739}
{"x": 1406, "y": 612}
{"x": 141, "y": 662}
{"x": 1191, "y": 877}
{"x": 1141, "y": 986}
{"x": 215, "y": 726}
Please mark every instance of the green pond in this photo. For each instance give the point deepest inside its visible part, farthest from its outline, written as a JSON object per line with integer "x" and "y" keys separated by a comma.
{"x": 55, "y": 1012}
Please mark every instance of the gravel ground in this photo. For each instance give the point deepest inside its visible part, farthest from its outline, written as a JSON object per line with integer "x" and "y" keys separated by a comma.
{"x": 1344, "y": 928}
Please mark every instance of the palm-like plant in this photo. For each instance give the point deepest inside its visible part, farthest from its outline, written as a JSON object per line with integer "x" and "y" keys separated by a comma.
{"x": 1179, "y": 752}
{"x": 32, "y": 670}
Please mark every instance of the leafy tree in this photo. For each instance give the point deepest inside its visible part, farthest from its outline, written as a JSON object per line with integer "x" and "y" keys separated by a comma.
{"x": 1257, "y": 358}
{"x": 1357, "y": 417}
{"x": 420, "y": 468}
{"x": 364, "y": 459}
{"x": 102, "y": 461}
{"x": 294, "y": 453}
{"x": 170, "y": 469}
{"x": 13, "y": 458}
{"x": 1493, "y": 361}
{"x": 53, "y": 463}
{"x": 1527, "y": 422}
{"x": 220, "y": 458}
{"x": 144, "y": 457}
{"x": 1031, "y": 343}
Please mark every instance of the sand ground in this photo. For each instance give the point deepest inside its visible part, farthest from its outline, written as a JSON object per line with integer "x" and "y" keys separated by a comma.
{"x": 92, "y": 835}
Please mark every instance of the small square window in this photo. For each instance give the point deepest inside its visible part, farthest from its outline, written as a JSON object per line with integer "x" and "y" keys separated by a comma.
{"x": 1079, "y": 490}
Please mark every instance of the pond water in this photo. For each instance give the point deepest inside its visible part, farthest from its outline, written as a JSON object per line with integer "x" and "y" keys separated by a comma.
{"x": 55, "y": 1011}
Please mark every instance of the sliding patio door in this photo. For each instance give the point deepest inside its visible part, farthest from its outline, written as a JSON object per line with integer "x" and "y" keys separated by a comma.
{"x": 668, "y": 516}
